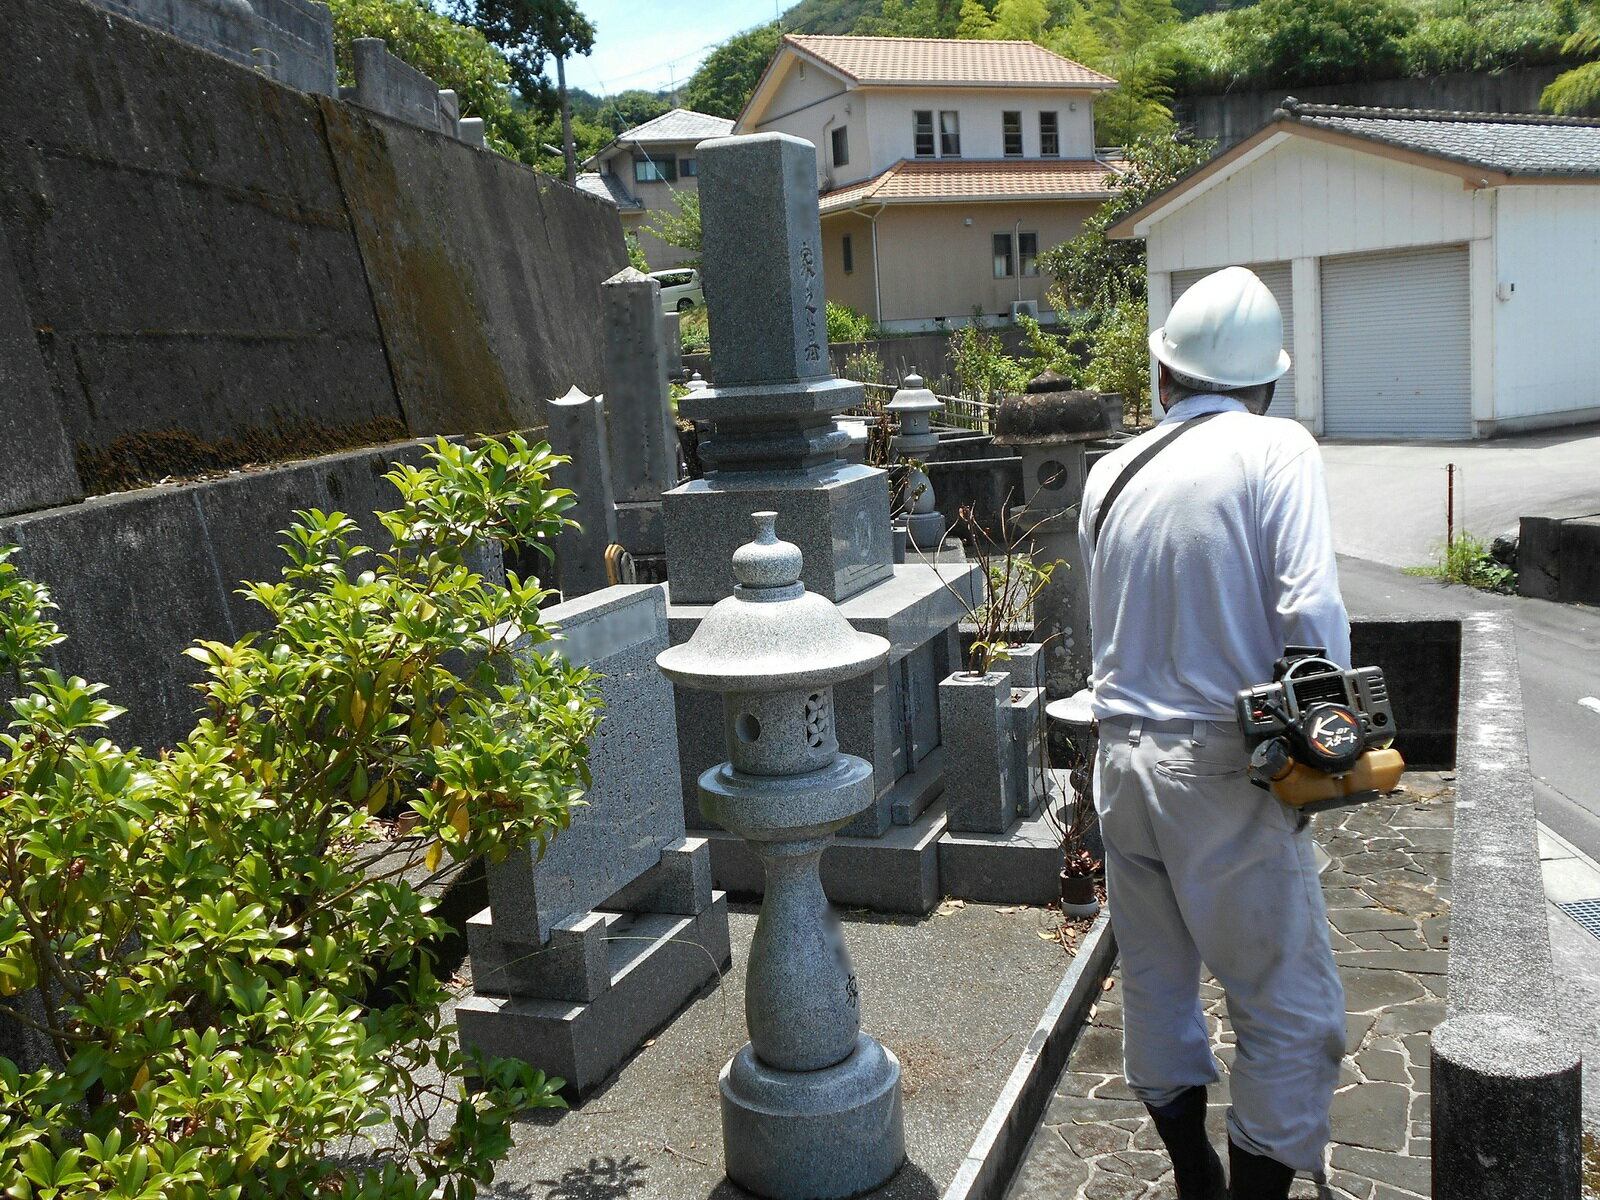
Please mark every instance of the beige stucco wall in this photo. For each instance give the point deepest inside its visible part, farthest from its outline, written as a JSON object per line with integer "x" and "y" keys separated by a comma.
{"x": 932, "y": 263}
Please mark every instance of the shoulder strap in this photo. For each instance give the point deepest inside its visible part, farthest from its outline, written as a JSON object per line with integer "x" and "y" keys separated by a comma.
{"x": 1139, "y": 460}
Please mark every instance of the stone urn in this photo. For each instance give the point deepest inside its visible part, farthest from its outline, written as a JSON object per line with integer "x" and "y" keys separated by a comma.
{"x": 811, "y": 1106}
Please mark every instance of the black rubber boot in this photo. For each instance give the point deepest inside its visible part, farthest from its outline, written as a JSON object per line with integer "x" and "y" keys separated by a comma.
{"x": 1195, "y": 1165}
{"x": 1257, "y": 1177}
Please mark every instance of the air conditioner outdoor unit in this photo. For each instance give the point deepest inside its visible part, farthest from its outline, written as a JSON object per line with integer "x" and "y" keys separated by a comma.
{"x": 1031, "y": 307}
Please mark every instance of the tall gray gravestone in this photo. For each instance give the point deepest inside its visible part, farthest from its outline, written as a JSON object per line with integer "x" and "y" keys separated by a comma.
{"x": 773, "y": 446}
{"x": 643, "y": 445}
{"x": 587, "y": 949}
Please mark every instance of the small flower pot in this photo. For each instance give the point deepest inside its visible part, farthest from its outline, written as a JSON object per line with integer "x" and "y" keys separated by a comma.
{"x": 1077, "y": 896}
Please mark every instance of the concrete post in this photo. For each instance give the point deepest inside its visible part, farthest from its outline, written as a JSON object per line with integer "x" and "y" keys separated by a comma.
{"x": 578, "y": 430}
{"x": 643, "y": 446}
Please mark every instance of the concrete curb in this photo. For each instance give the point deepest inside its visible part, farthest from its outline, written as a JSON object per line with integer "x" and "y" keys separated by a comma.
{"x": 1507, "y": 1096}
{"x": 986, "y": 1171}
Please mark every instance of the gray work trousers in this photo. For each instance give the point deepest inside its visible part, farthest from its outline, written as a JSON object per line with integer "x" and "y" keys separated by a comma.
{"x": 1202, "y": 866}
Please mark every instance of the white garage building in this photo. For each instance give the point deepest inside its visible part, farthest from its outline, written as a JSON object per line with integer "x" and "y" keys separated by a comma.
{"x": 1439, "y": 272}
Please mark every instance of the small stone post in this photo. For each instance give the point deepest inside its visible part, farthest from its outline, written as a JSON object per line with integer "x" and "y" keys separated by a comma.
{"x": 578, "y": 430}
{"x": 643, "y": 445}
{"x": 811, "y": 1106}
{"x": 915, "y": 405}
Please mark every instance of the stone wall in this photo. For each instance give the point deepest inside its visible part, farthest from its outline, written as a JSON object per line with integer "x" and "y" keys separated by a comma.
{"x": 201, "y": 270}
{"x": 1232, "y": 117}
{"x": 217, "y": 269}
{"x": 287, "y": 40}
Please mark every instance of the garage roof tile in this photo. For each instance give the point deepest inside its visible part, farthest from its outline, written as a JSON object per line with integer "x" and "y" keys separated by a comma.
{"x": 1516, "y": 144}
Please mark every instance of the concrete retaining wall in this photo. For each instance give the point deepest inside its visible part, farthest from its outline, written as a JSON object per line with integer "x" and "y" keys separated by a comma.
{"x": 1421, "y": 661}
{"x": 1558, "y": 558}
{"x": 1507, "y": 1096}
{"x": 219, "y": 269}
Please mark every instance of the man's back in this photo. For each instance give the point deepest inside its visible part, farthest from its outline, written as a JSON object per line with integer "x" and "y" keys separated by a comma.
{"x": 1216, "y": 555}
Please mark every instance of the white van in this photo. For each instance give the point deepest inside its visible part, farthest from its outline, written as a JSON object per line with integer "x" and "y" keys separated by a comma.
{"x": 680, "y": 289}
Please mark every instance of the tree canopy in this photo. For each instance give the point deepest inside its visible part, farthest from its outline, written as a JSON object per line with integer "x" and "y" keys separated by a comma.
{"x": 528, "y": 32}
{"x": 730, "y": 72}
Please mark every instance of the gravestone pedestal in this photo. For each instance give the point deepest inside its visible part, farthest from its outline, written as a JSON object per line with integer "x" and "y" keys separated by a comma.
{"x": 584, "y": 952}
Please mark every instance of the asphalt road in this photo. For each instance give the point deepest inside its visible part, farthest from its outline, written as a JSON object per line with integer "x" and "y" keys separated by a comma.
{"x": 1388, "y": 504}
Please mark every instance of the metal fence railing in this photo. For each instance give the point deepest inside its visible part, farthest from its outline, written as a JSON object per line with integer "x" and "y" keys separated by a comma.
{"x": 959, "y": 411}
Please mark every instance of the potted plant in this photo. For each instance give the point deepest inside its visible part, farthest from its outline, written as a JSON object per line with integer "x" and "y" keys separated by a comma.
{"x": 1075, "y": 823}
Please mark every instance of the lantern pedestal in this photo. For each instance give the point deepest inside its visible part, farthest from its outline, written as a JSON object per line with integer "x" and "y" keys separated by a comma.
{"x": 798, "y": 1135}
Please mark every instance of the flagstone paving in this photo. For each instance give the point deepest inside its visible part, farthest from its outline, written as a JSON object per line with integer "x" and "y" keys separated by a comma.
{"x": 1388, "y": 892}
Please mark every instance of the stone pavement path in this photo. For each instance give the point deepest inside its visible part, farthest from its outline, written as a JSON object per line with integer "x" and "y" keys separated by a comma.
{"x": 1387, "y": 891}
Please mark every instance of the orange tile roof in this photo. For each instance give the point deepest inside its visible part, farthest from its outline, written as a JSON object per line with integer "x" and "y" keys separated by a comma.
{"x": 947, "y": 61}
{"x": 910, "y": 181}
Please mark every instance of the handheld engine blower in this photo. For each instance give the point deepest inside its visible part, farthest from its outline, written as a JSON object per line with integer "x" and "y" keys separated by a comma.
{"x": 1323, "y": 735}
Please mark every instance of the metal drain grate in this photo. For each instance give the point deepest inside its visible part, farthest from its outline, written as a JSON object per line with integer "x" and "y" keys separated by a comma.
{"x": 1584, "y": 912}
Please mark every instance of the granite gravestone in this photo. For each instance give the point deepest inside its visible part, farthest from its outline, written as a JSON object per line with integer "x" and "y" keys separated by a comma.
{"x": 773, "y": 445}
{"x": 585, "y": 951}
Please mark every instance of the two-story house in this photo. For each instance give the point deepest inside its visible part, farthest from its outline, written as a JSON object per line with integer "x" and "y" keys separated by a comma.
{"x": 644, "y": 167}
{"x": 945, "y": 167}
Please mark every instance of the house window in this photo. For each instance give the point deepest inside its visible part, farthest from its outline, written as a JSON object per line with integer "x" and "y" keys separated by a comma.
{"x": 1002, "y": 255}
{"x": 688, "y": 167}
{"x": 841, "y": 146}
{"x": 949, "y": 134}
{"x": 1011, "y": 126}
{"x": 1049, "y": 135}
{"x": 849, "y": 254}
{"x": 922, "y": 126}
{"x": 650, "y": 170}
{"x": 1028, "y": 252}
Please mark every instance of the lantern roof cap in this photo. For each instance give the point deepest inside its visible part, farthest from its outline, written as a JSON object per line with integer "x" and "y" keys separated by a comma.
{"x": 771, "y": 635}
{"x": 912, "y": 397}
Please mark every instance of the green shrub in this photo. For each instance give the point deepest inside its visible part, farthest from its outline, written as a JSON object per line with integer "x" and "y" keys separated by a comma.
{"x": 864, "y": 366}
{"x": 1466, "y": 560}
{"x": 1119, "y": 357}
{"x": 636, "y": 258}
{"x": 225, "y": 945}
{"x": 845, "y": 324}
{"x": 694, "y": 331}
{"x": 982, "y": 369}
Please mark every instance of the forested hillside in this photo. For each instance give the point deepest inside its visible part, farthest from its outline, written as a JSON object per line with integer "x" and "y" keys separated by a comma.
{"x": 1160, "y": 49}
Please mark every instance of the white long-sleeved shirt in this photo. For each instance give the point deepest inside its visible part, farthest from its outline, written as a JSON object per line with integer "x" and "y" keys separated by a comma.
{"x": 1216, "y": 556}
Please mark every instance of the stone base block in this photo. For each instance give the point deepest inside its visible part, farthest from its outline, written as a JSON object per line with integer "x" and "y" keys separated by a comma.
{"x": 658, "y": 964}
{"x": 813, "y": 1135}
{"x": 1019, "y": 866}
{"x": 898, "y": 872}
{"x": 639, "y": 528}
{"x": 837, "y": 515}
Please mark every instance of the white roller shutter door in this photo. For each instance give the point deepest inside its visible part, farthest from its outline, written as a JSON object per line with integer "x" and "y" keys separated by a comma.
{"x": 1280, "y": 282}
{"x": 1395, "y": 345}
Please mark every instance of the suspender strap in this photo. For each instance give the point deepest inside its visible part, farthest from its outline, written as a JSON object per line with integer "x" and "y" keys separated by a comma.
{"x": 1139, "y": 460}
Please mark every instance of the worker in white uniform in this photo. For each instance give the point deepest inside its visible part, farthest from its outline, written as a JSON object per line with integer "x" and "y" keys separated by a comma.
{"x": 1207, "y": 563}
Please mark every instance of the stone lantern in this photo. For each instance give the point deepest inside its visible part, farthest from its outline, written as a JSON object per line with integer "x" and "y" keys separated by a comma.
{"x": 811, "y": 1106}
{"x": 1051, "y": 429}
{"x": 915, "y": 405}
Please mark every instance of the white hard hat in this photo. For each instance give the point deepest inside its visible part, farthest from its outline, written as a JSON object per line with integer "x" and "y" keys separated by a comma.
{"x": 1226, "y": 330}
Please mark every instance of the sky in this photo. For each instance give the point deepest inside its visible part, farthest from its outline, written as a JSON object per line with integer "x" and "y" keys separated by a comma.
{"x": 651, "y": 44}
